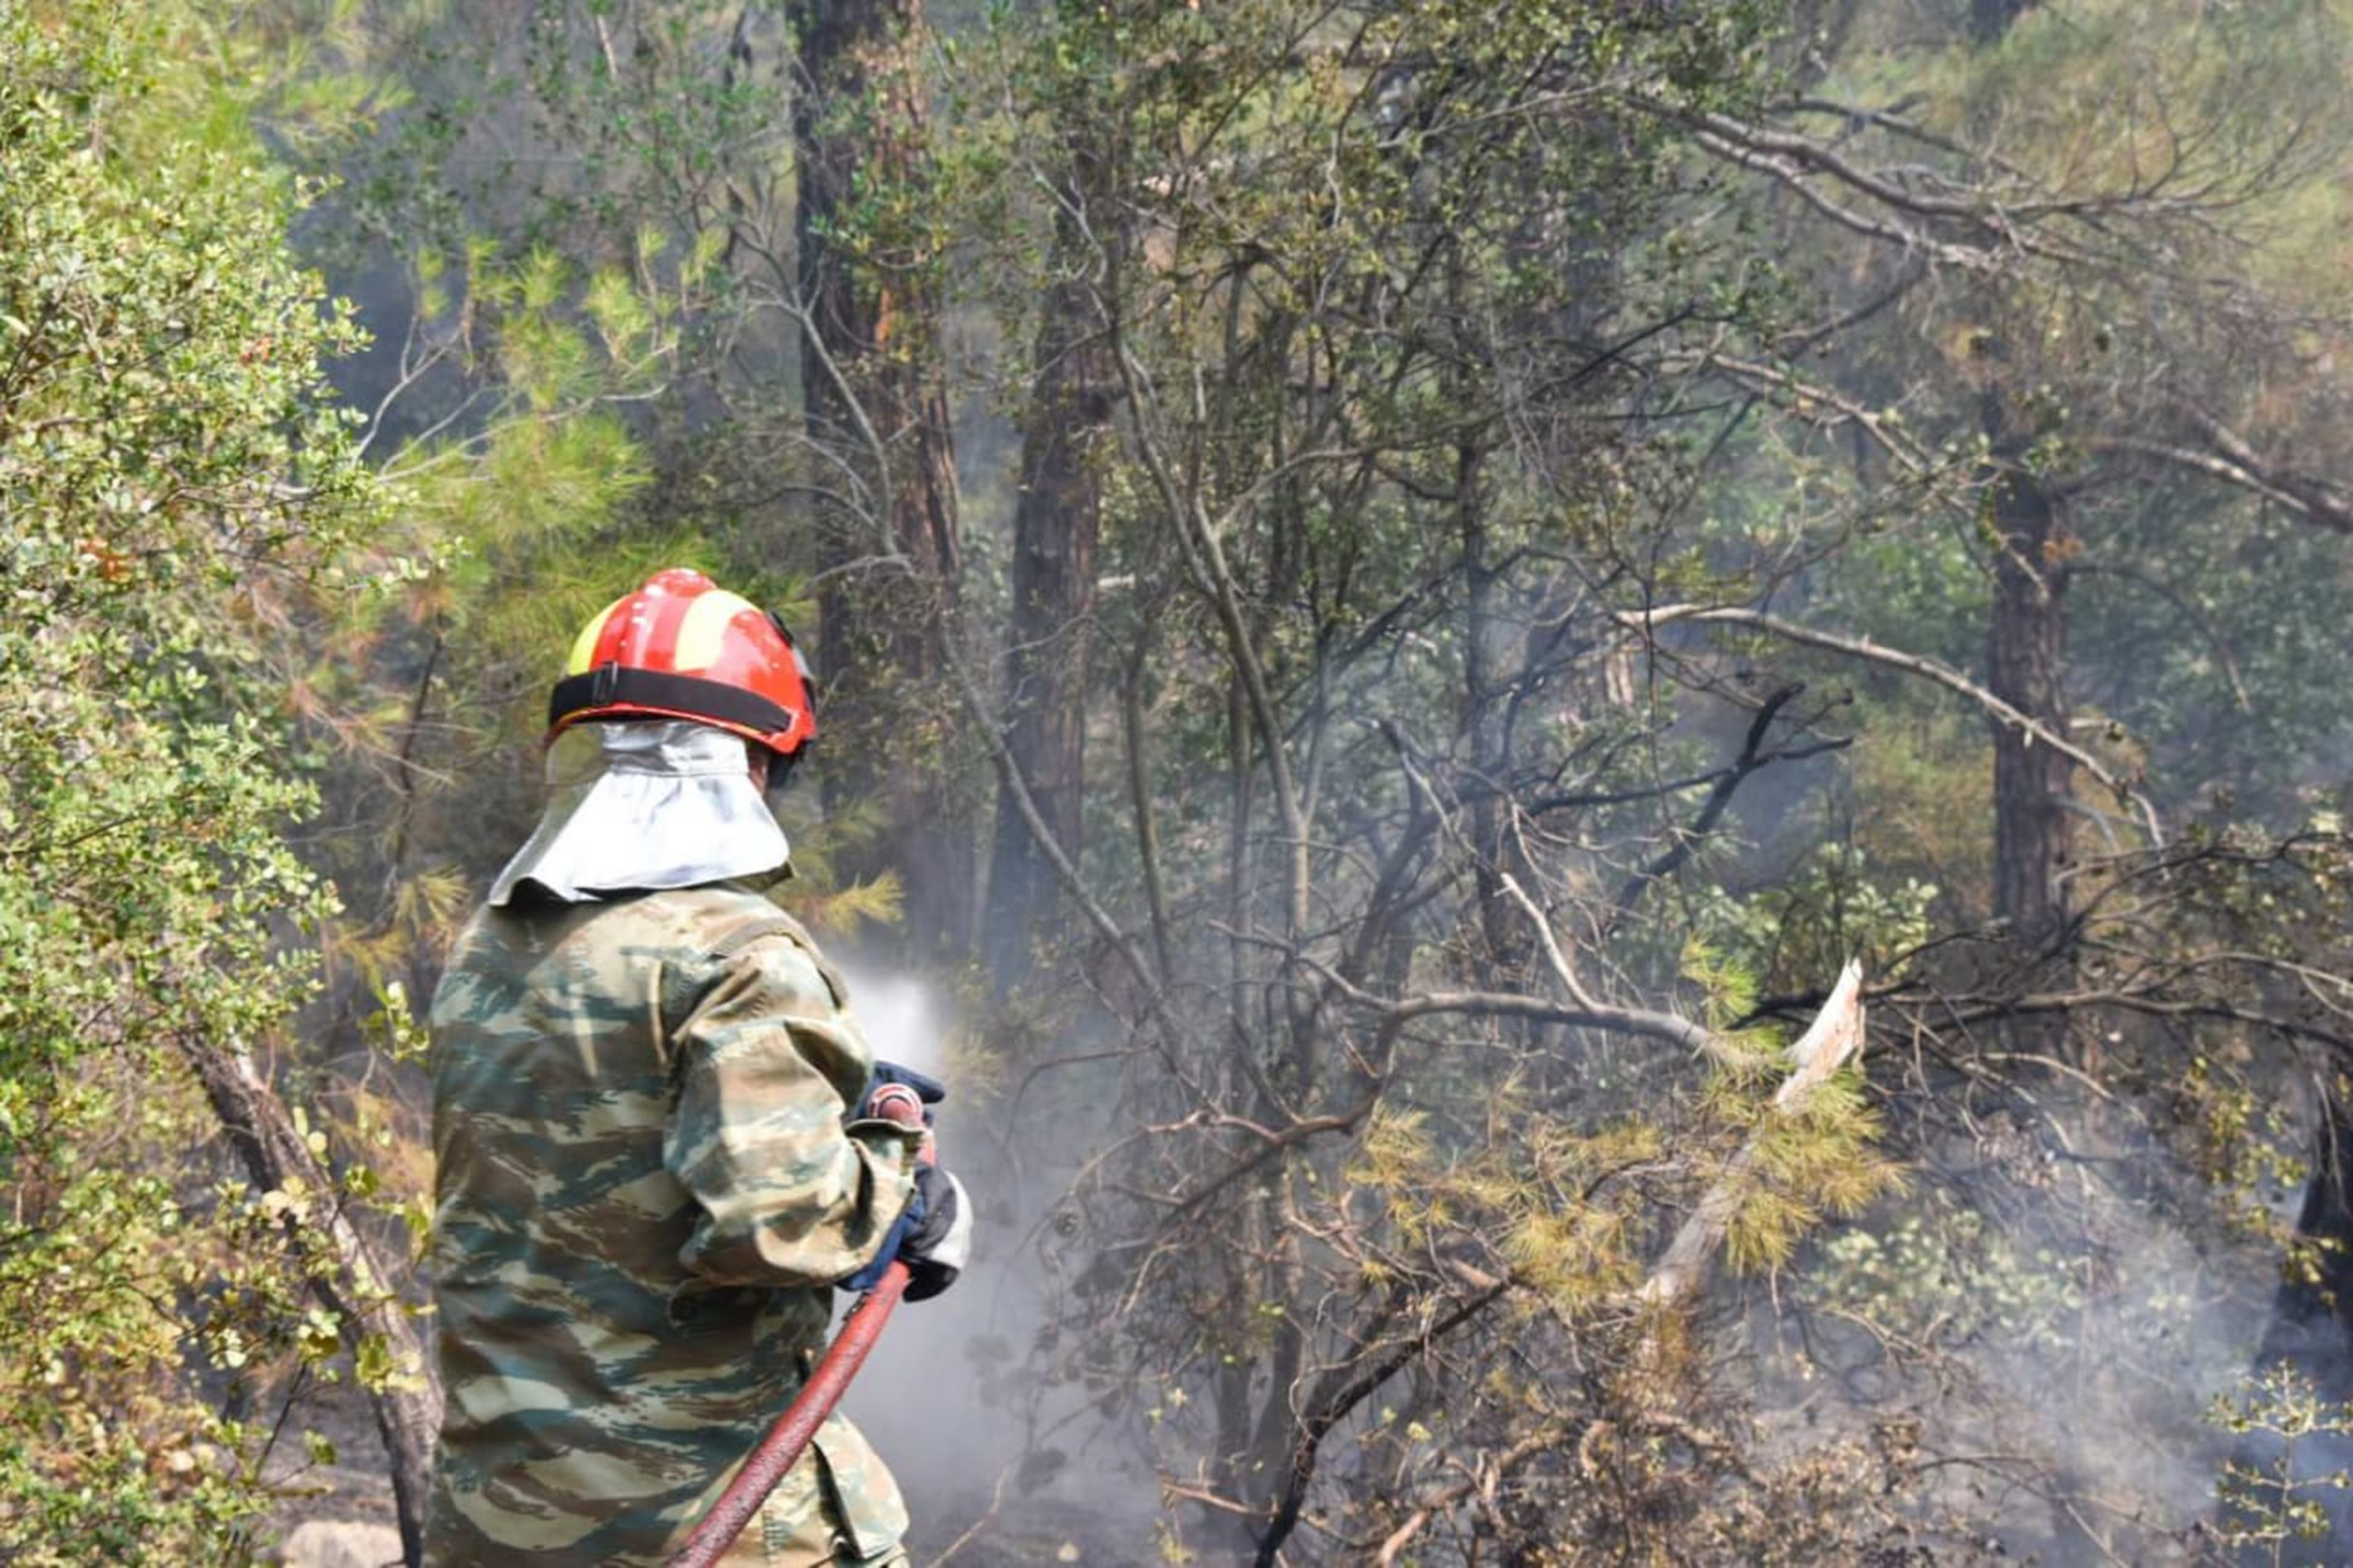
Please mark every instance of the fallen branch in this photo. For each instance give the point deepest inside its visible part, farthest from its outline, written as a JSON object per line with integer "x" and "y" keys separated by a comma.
{"x": 1828, "y": 1044}
{"x": 1836, "y": 1034}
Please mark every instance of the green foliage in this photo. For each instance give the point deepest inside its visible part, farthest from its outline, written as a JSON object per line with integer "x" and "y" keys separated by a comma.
{"x": 1436, "y": 346}
{"x": 577, "y": 236}
{"x": 2276, "y": 1495}
{"x": 169, "y": 479}
{"x": 1811, "y": 919}
{"x": 1953, "y": 1279}
{"x": 2210, "y": 142}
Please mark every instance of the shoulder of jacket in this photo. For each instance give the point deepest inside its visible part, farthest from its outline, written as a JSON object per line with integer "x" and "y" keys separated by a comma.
{"x": 728, "y": 922}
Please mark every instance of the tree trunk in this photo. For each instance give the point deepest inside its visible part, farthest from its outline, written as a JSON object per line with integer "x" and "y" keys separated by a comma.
{"x": 353, "y": 1287}
{"x": 876, "y": 407}
{"x": 2027, "y": 641}
{"x": 1056, "y": 523}
{"x": 2026, "y": 657}
{"x": 1989, "y": 20}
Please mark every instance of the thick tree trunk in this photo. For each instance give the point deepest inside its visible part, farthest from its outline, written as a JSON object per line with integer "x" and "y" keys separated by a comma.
{"x": 1989, "y": 20}
{"x": 352, "y": 1285}
{"x": 2025, "y": 658}
{"x": 876, "y": 407}
{"x": 1056, "y": 523}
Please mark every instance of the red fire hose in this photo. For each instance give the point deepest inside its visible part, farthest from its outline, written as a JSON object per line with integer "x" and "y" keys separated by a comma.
{"x": 789, "y": 1438}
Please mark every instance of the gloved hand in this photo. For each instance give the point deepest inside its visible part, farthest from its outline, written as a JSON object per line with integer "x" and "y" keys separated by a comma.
{"x": 932, "y": 1236}
{"x": 928, "y": 1090}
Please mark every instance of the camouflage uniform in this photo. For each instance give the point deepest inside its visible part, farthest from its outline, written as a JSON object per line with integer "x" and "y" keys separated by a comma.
{"x": 647, "y": 1191}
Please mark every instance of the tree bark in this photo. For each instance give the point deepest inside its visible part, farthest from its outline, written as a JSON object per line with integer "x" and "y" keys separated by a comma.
{"x": 1990, "y": 19}
{"x": 353, "y": 1288}
{"x": 876, "y": 406}
{"x": 2026, "y": 650}
{"x": 1057, "y": 521}
{"x": 2026, "y": 657}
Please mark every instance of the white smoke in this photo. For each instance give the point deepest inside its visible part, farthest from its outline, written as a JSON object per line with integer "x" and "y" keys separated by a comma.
{"x": 945, "y": 1397}
{"x": 900, "y": 1020}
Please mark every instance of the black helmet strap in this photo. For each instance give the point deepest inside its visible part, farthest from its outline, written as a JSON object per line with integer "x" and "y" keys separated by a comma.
{"x": 609, "y": 684}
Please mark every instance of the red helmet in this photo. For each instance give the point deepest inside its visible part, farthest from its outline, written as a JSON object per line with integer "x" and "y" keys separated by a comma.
{"x": 682, "y": 647}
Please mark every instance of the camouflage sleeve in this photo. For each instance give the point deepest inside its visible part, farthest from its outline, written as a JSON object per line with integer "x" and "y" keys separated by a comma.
{"x": 787, "y": 1195}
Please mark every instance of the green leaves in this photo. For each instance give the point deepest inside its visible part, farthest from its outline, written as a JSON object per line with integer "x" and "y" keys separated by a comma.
{"x": 170, "y": 476}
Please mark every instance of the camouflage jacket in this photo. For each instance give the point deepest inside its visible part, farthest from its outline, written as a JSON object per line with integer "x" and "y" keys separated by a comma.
{"x": 646, "y": 1190}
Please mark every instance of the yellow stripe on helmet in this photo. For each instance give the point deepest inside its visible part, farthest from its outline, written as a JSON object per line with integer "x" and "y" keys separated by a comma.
{"x": 704, "y": 632}
{"x": 584, "y": 647}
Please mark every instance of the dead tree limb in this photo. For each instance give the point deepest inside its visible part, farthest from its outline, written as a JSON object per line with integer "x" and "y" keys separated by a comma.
{"x": 1934, "y": 670}
{"x": 1834, "y": 1037}
{"x": 353, "y": 1288}
{"x": 1346, "y": 1387}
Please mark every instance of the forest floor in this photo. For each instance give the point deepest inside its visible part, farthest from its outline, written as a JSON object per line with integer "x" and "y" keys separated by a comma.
{"x": 338, "y": 1512}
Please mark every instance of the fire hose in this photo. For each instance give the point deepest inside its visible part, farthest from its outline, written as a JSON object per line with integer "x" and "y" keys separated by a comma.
{"x": 788, "y": 1437}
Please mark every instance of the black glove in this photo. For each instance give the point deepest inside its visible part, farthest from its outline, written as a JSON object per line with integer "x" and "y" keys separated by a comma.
{"x": 940, "y": 1239}
{"x": 933, "y": 1237}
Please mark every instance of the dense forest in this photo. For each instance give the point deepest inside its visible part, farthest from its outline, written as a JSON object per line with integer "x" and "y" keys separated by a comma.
{"x": 1400, "y": 587}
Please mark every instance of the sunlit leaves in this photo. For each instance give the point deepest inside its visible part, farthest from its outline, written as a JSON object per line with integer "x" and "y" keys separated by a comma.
{"x": 167, "y": 479}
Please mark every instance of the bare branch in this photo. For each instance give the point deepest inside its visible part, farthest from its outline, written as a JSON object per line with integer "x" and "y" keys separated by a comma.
{"x": 1647, "y": 621}
{"x": 2229, "y": 457}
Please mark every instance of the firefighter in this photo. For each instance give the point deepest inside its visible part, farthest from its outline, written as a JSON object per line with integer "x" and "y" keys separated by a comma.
{"x": 653, "y": 1163}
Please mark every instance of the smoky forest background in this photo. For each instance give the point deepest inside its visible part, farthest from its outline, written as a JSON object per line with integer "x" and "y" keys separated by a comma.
{"x": 1400, "y": 587}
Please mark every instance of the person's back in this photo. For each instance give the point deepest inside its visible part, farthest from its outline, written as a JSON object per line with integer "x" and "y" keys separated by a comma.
{"x": 650, "y": 1179}
{"x": 611, "y": 1349}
